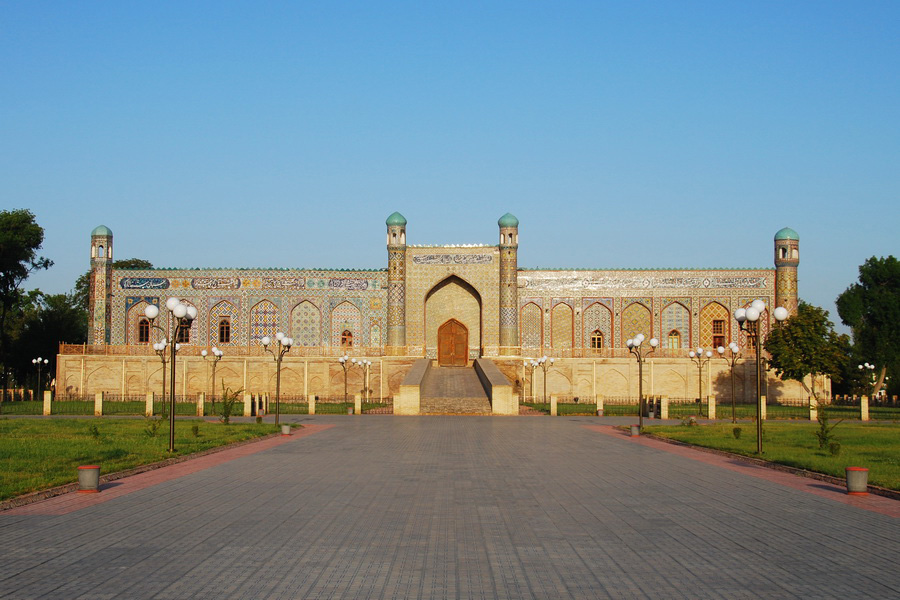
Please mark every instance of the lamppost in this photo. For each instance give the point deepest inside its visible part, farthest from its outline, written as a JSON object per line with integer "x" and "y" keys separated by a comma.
{"x": 364, "y": 365}
{"x": 160, "y": 349}
{"x": 284, "y": 346}
{"x": 40, "y": 362}
{"x": 182, "y": 315}
{"x": 217, "y": 356}
{"x": 345, "y": 364}
{"x": 544, "y": 363}
{"x": 529, "y": 369}
{"x": 748, "y": 320}
{"x": 732, "y": 360}
{"x": 634, "y": 347}
{"x": 701, "y": 359}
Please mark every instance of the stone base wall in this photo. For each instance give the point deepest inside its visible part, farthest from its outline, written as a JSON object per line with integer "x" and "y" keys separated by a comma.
{"x": 324, "y": 377}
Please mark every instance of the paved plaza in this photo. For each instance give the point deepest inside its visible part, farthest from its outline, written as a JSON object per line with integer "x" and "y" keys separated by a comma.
{"x": 455, "y": 507}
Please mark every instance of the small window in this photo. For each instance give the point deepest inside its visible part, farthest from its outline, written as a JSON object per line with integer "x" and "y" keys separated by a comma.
{"x": 784, "y": 253}
{"x": 184, "y": 335}
{"x": 596, "y": 340}
{"x": 225, "y": 331}
{"x": 718, "y": 329}
{"x": 100, "y": 252}
{"x": 674, "y": 339}
{"x": 143, "y": 331}
{"x": 346, "y": 339}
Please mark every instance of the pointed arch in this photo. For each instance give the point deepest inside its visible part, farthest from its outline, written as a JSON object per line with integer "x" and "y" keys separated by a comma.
{"x": 562, "y": 324}
{"x": 306, "y": 324}
{"x": 532, "y": 326}
{"x": 345, "y": 318}
{"x": 636, "y": 319}
{"x": 676, "y": 326}
{"x": 715, "y": 325}
{"x": 263, "y": 321}
{"x": 453, "y": 298}
{"x": 221, "y": 313}
{"x": 597, "y": 317}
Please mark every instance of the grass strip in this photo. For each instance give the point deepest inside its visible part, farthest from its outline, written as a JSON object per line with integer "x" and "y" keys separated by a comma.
{"x": 42, "y": 453}
{"x": 875, "y": 446}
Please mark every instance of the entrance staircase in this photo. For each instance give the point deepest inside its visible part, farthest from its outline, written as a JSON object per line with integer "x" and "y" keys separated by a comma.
{"x": 453, "y": 391}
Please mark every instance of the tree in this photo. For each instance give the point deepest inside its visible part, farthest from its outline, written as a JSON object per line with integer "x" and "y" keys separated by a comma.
{"x": 871, "y": 308}
{"x": 20, "y": 239}
{"x": 807, "y": 344}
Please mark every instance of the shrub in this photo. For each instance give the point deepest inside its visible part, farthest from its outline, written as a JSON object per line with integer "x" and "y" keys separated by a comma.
{"x": 736, "y": 432}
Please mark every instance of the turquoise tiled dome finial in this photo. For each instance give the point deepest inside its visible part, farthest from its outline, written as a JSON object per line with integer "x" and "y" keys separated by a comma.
{"x": 787, "y": 234}
{"x": 396, "y": 219}
{"x": 508, "y": 220}
{"x": 101, "y": 230}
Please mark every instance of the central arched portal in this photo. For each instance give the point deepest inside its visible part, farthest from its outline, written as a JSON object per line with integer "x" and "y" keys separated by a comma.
{"x": 453, "y": 344}
{"x": 453, "y": 299}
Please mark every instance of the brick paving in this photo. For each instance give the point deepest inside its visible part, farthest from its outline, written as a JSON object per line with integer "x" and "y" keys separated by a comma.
{"x": 457, "y": 507}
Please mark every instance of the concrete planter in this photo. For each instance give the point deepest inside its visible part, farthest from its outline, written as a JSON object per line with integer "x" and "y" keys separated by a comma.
{"x": 635, "y": 430}
{"x": 285, "y": 430}
{"x": 88, "y": 479}
{"x": 857, "y": 481}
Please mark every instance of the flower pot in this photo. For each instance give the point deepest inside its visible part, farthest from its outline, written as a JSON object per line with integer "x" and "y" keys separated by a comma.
{"x": 88, "y": 479}
{"x": 857, "y": 481}
{"x": 349, "y": 411}
{"x": 635, "y": 430}
{"x": 599, "y": 412}
{"x": 285, "y": 430}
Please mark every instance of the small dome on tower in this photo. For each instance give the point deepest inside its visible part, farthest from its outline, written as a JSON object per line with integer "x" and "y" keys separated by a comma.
{"x": 101, "y": 230}
{"x": 396, "y": 219}
{"x": 787, "y": 234}
{"x": 508, "y": 220}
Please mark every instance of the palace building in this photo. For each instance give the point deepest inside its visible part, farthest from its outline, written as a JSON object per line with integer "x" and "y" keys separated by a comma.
{"x": 451, "y": 304}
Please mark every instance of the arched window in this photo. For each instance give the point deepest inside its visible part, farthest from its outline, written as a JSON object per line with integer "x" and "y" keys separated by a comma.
{"x": 346, "y": 339}
{"x": 143, "y": 331}
{"x": 596, "y": 340}
{"x": 100, "y": 252}
{"x": 225, "y": 331}
{"x": 184, "y": 335}
{"x": 674, "y": 339}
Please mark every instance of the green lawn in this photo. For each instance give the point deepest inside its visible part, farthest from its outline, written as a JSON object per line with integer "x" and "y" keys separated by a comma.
{"x": 41, "y": 453}
{"x": 875, "y": 446}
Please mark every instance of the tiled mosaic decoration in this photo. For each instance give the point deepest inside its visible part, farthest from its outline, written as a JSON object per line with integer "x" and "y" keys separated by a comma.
{"x": 597, "y": 316}
{"x": 263, "y": 321}
{"x": 532, "y": 326}
{"x": 346, "y": 316}
{"x": 562, "y": 317}
{"x": 676, "y": 317}
{"x": 306, "y": 324}
{"x": 709, "y": 313}
{"x": 636, "y": 319}
{"x": 222, "y": 310}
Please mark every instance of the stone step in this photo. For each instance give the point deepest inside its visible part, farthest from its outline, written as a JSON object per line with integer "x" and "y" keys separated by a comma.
{"x": 455, "y": 406}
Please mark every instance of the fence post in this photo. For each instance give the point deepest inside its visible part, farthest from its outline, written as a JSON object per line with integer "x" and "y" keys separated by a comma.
{"x": 248, "y": 405}
{"x": 864, "y": 408}
{"x": 201, "y": 401}
{"x": 148, "y": 405}
{"x": 98, "y": 404}
{"x": 552, "y": 406}
{"x": 711, "y": 407}
{"x": 813, "y": 410}
{"x": 48, "y": 397}
{"x": 762, "y": 402}
{"x": 663, "y": 407}
{"x": 312, "y": 404}
{"x": 599, "y": 405}
{"x": 357, "y": 404}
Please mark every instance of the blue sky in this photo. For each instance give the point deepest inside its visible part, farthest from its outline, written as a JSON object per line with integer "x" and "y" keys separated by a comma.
{"x": 621, "y": 134}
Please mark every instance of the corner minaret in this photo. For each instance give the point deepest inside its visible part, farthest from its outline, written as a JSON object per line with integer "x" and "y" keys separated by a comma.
{"x": 101, "y": 285}
{"x": 787, "y": 257}
{"x": 509, "y": 291}
{"x": 396, "y": 309}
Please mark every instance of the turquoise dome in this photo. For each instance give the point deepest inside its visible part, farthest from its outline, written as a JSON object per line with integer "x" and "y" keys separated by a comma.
{"x": 787, "y": 234}
{"x": 508, "y": 220}
{"x": 396, "y": 219}
{"x": 101, "y": 230}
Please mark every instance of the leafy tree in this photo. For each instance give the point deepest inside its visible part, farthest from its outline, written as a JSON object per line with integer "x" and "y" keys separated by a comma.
{"x": 20, "y": 239}
{"x": 82, "y": 292}
{"x": 871, "y": 308}
{"x": 807, "y": 344}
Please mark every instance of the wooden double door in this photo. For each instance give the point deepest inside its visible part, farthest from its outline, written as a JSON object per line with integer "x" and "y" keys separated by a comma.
{"x": 453, "y": 344}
